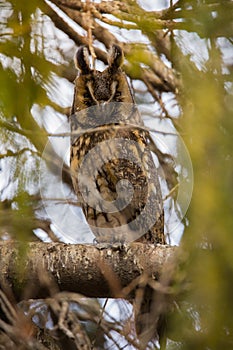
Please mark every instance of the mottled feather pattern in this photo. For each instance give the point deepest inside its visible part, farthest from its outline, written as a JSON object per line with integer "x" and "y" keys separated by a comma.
{"x": 94, "y": 89}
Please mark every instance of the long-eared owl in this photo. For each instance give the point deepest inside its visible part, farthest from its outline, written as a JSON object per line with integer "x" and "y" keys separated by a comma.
{"x": 112, "y": 169}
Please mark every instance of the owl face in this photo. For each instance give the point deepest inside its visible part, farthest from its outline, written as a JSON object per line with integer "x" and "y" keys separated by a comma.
{"x": 101, "y": 98}
{"x": 93, "y": 87}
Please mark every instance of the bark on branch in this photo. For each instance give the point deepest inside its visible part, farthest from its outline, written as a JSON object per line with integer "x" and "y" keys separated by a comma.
{"x": 92, "y": 270}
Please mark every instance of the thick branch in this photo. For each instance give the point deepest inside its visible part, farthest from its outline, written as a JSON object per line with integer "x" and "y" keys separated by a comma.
{"x": 92, "y": 270}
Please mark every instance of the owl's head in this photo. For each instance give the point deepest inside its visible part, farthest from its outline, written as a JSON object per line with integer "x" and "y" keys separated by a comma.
{"x": 100, "y": 87}
{"x": 93, "y": 87}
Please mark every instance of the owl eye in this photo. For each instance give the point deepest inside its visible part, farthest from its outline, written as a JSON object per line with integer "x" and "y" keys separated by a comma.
{"x": 117, "y": 94}
{"x": 116, "y": 57}
{"x": 81, "y": 60}
{"x": 86, "y": 95}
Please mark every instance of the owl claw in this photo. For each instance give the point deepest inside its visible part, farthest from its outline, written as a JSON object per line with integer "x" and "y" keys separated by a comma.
{"x": 102, "y": 246}
{"x": 119, "y": 246}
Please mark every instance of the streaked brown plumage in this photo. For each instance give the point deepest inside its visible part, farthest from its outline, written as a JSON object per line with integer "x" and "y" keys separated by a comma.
{"x": 108, "y": 155}
{"x": 99, "y": 120}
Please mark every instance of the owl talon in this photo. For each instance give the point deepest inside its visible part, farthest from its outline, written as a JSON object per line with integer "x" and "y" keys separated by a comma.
{"x": 95, "y": 241}
{"x": 119, "y": 246}
{"x": 102, "y": 246}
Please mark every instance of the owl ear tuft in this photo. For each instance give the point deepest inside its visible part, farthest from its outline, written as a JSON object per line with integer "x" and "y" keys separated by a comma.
{"x": 81, "y": 60}
{"x": 116, "y": 57}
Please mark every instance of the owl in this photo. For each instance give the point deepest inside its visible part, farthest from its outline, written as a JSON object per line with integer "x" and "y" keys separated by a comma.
{"x": 112, "y": 169}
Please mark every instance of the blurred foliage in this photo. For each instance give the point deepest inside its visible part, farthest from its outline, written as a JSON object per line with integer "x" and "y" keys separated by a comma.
{"x": 24, "y": 76}
{"x": 208, "y": 124}
{"x": 195, "y": 39}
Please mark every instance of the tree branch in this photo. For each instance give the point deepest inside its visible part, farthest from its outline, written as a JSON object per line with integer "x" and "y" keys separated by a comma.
{"x": 92, "y": 270}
